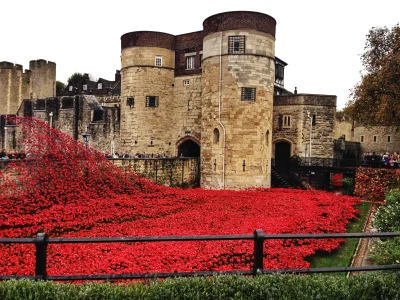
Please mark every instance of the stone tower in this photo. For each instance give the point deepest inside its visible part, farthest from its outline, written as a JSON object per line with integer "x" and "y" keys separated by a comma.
{"x": 147, "y": 80}
{"x": 237, "y": 100}
{"x": 43, "y": 78}
{"x": 14, "y": 86}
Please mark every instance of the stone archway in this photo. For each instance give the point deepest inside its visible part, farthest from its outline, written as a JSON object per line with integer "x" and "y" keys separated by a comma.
{"x": 283, "y": 154}
{"x": 188, "y": 148}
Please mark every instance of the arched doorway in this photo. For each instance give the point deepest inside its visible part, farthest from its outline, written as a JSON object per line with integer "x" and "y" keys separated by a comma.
{"x": 282, "y": 155}
{"x": 189, "y": 148}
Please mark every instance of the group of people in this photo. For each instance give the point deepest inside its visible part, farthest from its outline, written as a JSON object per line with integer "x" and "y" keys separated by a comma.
{"x": 12, "y": 155}
{"x": 137, "y": 155}
{"x": 389, "y": 160}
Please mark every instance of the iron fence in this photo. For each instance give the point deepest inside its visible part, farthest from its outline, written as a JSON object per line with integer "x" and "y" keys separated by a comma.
{"x": 42, "y": 241}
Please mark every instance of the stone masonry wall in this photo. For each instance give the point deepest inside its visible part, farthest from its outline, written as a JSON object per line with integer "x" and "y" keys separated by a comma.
{"x": 186, "y": 110}
{"x": 382, "y": 143}
{"x": 298, "y": 133}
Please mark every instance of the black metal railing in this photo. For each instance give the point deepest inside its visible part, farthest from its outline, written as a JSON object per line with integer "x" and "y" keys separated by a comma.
{"x": 42, "y": 241}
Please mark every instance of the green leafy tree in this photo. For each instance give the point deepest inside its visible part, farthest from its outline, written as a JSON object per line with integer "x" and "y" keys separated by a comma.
{"x": 376, "y": 98}
{"x": 60, "y": 86}
{"x": 74, "y": 75}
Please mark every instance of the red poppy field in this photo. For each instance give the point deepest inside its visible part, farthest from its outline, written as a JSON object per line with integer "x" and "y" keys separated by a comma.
{"x": 68, "y": 191}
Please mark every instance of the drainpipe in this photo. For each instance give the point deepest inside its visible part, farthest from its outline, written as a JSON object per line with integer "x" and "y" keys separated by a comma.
{"x": 219, "y": 109}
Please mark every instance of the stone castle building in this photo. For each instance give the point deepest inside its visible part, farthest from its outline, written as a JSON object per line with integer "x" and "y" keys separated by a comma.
{"x": 217, "y": 94}
{"x": 16, "y": 84}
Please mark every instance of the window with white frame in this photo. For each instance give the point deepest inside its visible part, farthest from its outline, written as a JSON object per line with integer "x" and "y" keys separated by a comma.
{"x": 190, "y": 62}
{"x": 159, "y": 60}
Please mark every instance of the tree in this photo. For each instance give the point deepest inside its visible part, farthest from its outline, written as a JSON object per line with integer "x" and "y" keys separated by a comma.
{"x": 60, "y": 86}
{"x": 74, "y": 75}
{"x": 376, "y": 98}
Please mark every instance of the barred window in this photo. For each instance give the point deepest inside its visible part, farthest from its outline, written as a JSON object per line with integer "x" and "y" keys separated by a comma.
{"x": 151, "y": 101}
{"x": 40, "y": 104}
{"x": 236, "y": 44}
{"x": 186, "y": 82}
{"x": 158, "y": 60}
{"x": 248, "y": 94}
{"x": 189, "y": 62}
{"x": 130, "y": 101}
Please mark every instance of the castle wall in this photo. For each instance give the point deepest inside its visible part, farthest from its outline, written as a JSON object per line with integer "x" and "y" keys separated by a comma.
{"x": 344, "y": 128}
{"x": 240, "y": 158}
{"x": 323, "y": 107}
{"x": 382, "y": 143}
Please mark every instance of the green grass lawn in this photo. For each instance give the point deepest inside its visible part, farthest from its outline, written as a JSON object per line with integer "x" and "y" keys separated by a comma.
{"x": 342, "y": 256}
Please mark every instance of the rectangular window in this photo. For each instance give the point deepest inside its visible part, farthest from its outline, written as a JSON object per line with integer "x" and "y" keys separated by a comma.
{"x": 84, "y": 87}
{"x": 151, "y": 101}
{"x": 130, "y": 101}
{"x": 158, "y": 60}
{"x": 287, "y": 121}
{"x": 389, "y": 139}
{"x": 186, "y": 82}
{"x": 314, "y": 120}
{"x": 362, "y": 139}
{"x": 236, "y": 44}
{"x": 99, "y": 86}
{"x": 248, "y": 94}
{"x": 201, "y": 60}
{"x": 189, "y": 62}
{"x": 374, "y": 138}
{"x": 70, "y": 88}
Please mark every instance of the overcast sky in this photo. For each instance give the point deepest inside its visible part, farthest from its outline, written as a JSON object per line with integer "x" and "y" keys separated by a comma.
{"x": 320, "y": 40}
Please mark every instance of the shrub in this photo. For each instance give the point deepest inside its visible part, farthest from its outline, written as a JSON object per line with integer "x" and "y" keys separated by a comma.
{"x": 387, "y": 218}
{"x": 347, "y": 186}
{"x": 372, "y": 184}
{"x": 366, "y": 286}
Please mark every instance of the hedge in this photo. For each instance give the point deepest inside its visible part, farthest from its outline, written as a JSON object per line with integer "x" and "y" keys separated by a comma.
{"x": 377, "y": 285}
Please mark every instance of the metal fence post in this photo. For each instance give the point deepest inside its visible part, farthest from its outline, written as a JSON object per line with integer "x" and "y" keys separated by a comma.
{"x": 41, "y": 256}
{"x": 183, "y": 170}
{"x": 258, "y": 251}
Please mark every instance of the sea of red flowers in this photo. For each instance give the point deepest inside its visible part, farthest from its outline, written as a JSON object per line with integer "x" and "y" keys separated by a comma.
{"x": 66, "y": 190}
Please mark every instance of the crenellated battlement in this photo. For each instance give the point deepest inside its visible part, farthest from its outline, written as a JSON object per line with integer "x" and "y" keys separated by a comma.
{"x": 5, "y": 65}
{"x": 33, "y": 64}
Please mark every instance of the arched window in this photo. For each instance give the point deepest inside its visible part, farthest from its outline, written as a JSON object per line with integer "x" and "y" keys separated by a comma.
{"x": 267, "y": 138}
{"x": 216, "y": 136}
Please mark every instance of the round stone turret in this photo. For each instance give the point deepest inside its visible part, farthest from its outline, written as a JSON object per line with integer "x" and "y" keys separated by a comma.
{"x": 237, "y": 100}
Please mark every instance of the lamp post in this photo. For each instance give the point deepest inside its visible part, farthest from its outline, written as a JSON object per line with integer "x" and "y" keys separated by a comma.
{"x": 51, "y": 119}
{"x": 86, "y": 137}
{"x": 309, "y": 152}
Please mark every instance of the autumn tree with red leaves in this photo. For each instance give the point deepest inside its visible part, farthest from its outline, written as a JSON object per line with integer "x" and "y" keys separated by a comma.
{"x": 376, "y": 98}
